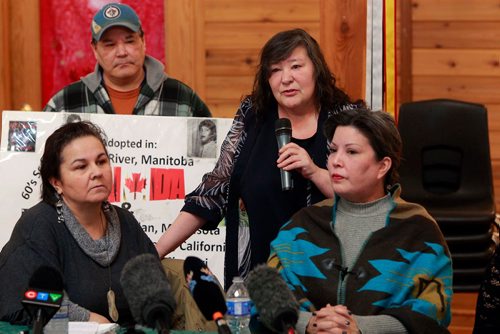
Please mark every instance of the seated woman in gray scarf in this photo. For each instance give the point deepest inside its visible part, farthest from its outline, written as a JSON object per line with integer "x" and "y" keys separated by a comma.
{"x": 75, "y": 231}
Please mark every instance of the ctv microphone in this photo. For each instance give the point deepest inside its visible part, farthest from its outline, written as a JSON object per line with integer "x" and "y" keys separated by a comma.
{"x": 148, "y": 292}
{"x": 283, "y": 130}
{"x": 206, "y": 292}
{"x": 277, "y": 307}
{"x": 44, "y": 296}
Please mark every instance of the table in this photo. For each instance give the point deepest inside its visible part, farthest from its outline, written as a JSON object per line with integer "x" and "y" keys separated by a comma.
{"x": 6, "y": 328}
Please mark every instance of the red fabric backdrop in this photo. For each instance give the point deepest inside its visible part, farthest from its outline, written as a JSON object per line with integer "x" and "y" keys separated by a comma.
{"x": 65, "y": 38}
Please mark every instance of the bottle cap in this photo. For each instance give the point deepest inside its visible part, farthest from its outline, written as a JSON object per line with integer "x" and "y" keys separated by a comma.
{"x": 217, "y": 315}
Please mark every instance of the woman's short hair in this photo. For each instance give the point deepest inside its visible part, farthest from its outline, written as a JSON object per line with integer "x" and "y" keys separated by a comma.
{"x": 278, "y": 48}
{"x": 207, "y": 123}
{"x": 50, "y": 161}
{"x": 381, "y": 131}
{"x": 211, "y": 126}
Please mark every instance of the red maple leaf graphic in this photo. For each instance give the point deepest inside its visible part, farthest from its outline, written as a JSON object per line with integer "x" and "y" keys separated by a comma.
{"x": 135, "y": 184}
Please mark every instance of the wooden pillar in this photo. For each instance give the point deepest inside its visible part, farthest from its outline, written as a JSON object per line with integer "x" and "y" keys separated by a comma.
{"x": 24, "y": 34}
{"x": 5, "y": 73}
{"x": 343, "y": 41}
{"x": 405, "y": 52}
{"x": 184, "y": 43}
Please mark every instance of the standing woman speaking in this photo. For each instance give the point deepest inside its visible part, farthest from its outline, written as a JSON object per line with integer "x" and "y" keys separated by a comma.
{"x": 292, "y": 81}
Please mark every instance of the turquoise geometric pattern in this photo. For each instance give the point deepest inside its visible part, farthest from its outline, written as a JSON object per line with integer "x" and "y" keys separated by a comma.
{"x": 401, "y": 279}
{"x": 296, "y": 255}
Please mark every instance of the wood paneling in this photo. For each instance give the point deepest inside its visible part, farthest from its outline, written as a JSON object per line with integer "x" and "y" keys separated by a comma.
{"x": 404, "y": 47}
{"x": 223, "y": 40}
{"x": 494, "y": 118}
{"x": 455, "y": 10}
{"x": 234, "y": 36}
{"x": 184, "y": 43}
{"x": 471, "y": 62}
{"x": 224, "y": 108}
{"x": 480, "y": 89}
{"x": 24, "y": 25}
{"x": 463, "y": 306}
{"x": 262, "y": 11}
{"x": 343, "y": 39}
{"x": 232, "y": 62}
{"x": 5, "y": 74}
{"x": 230, "y": 34}
{"x": 235, "y": 31}
{"x": 455, "y": 35}
{"x": 228, "y": 88}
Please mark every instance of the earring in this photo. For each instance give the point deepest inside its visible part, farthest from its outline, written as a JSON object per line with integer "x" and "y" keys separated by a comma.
{"x": 59, "y": 209}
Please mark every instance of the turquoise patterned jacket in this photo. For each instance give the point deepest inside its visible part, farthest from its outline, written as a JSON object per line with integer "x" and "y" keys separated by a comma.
{"x": 403, "y": 270}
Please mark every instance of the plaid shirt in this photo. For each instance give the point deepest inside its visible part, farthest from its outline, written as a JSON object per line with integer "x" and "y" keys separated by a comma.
{"x": 159, "y": 95}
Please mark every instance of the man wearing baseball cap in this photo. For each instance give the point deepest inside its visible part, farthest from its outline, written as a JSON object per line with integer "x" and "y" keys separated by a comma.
{"x": 125, "y": 79}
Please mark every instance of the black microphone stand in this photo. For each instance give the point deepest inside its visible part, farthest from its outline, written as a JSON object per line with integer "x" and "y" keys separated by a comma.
{"x": 162, "y": 326}
{"x": 38, "y": 323}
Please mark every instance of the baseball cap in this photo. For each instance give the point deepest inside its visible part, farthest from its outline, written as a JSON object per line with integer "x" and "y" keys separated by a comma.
{"x": 112, "y": 15}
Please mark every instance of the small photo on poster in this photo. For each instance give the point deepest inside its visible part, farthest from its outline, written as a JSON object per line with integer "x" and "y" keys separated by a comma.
{"x": 22, "y": 136}
{"x": 202, "y": 138}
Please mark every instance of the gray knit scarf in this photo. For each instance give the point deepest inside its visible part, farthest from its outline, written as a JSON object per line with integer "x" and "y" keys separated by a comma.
{"x": 103, "y": 250}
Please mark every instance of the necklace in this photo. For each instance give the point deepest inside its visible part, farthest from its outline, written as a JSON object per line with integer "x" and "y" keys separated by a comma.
{"x": 112, "y": 310}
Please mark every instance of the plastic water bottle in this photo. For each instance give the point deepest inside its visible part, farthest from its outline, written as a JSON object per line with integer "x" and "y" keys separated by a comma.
{"x": 238, "y": 306}
{"x": 59, "y": 322}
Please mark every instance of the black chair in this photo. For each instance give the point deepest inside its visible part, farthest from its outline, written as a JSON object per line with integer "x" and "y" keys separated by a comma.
{"x": 446, "y": 168}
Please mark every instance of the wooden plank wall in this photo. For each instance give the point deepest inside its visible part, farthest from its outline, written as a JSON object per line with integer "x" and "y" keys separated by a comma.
{"x": 24, "y": 44}
{"x": 463, "y": 311}
{"x": 456, "y": 55}
{"x": 5, "y": 91}
{"x": 235, "y": 33}
{"x": 221, "y": 46}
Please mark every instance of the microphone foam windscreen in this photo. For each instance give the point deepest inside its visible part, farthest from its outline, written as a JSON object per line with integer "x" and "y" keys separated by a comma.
{"x": 278, "y": 309}
{"x": 146, "y": 289}
{"x": 47, "y": 278}
{"x": 204, "y": 287}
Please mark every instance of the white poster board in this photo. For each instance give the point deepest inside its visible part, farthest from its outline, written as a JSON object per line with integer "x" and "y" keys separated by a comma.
{"x": 155, "y": 164}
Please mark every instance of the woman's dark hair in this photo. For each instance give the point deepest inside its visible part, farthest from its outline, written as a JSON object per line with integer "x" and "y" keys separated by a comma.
{"x": 51, "y": 159}
{"x": 380, "y": 129}
{"x": 278, "y": 48}
{"x": 211, "y": 126}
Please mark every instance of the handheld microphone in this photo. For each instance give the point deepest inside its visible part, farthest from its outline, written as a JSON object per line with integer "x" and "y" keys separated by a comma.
{"x": 206, "y": 292}
{"x": 283, "y": 130}
{"x": 278, "y": 309}
{"x": 44, "y": 296}
{"x": 148, "y": 292}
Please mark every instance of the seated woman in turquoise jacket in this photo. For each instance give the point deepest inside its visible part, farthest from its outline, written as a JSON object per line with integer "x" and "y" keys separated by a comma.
{"x": 365, "y": 261}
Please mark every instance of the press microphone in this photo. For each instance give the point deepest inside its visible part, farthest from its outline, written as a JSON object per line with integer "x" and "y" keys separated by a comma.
{"x": 207, "y": 292}
{"x": 277, "y": 307}
{"x": 148, "y": 292}
{"x": 43, "y": 297}
{"x": 283, "y": 130}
